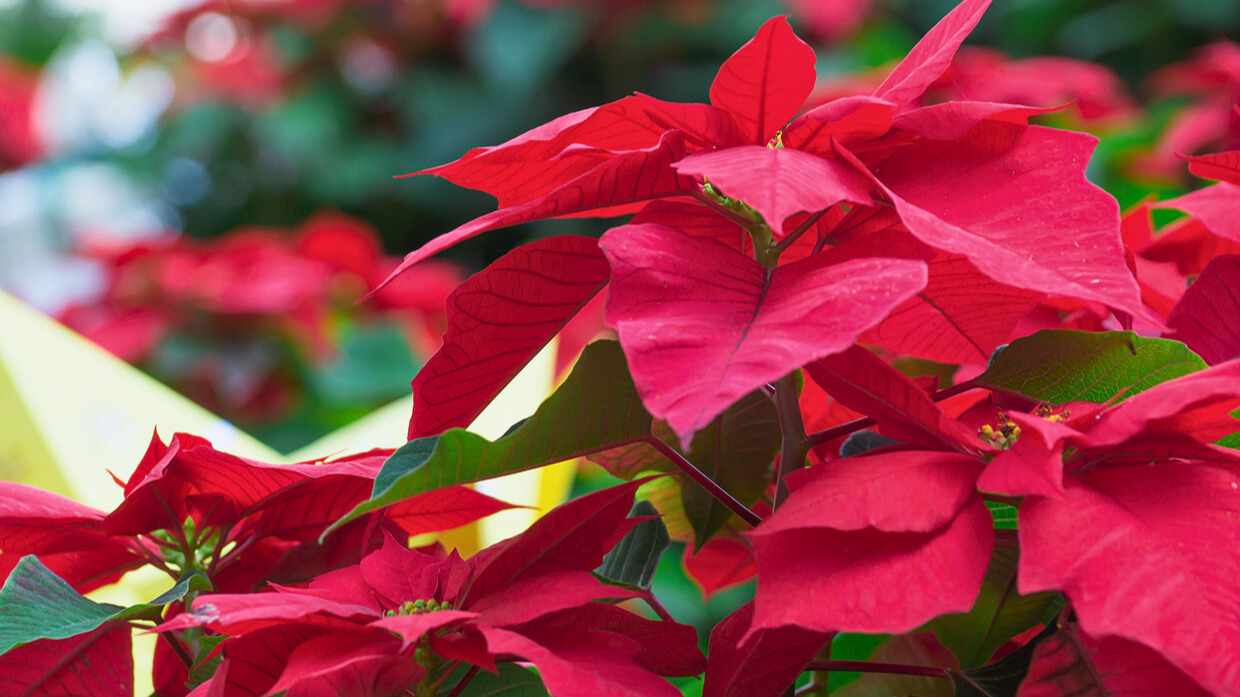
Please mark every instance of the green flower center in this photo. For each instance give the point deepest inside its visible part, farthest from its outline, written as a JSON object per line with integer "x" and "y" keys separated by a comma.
{"x": 419, "y": 607}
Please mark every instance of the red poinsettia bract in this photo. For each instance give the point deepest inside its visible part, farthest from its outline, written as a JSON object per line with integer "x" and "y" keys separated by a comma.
{"x": 402, "y": 617}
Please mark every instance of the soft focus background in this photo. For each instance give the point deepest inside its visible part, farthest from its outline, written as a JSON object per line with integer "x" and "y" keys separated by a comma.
{"x": 206, "y": 188}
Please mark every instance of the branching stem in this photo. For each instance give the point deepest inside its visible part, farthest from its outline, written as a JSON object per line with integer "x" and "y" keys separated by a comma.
{"x": 658, "y": 608}
{"x": 871, "y": 667}
{"x": 793, "y": 236}
{"x": 794, "y": 446}
{"x": 830, "y": 434}
{"x": 707, "y": 483}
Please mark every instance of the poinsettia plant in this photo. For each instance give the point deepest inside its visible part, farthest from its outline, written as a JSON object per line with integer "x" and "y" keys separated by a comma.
{"x": 876, "y": 354}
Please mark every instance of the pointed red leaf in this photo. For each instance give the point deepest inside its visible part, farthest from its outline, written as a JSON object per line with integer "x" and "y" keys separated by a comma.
{"x": 703, "y": 125}
{"x": 443, "y": 509}
{"x": 244, "y": 613}
{"x": 869, "y": 580}
{"x": 1148, "y": 553}
{"x": 764, "y": 665}
{"x": 737, "y": 323}
{"x": 946, "y": 323}
{"x": 358, "y": 664}
{"x": 533, "y": 164}
{"x": 632, "y": 176}
{"x": 67, "y": 537}
{"x": 399, "y": 574}
{"x": 573, "y": 536}
{"x": 1189, "y": 245}
{"x": 411, "y": 628}
{"x": 1223, "y": 166}
{"x": 1070, "y": 663}
{"x": 586, "y": 663}
{"x": 1207, "y": 317}
{"x": 932, "y": 55}
{"x": 905, "y": 491}
{"x": 722, "y": 563}
{"x": 195, "y": 477}
{"x": 848, "y": 121}
{"x": 863, "y": 382}
{"x": 1215, "y": 206}
{"x": 497, "y": 321}
{"x": 766, "y": 81}
{"x": 691, "y": 216}
{"x": 1003, "y": 197}
{"x": 99, "y": 664}
{"x": 1194, "y": 404}
{"x": 253, "y": 662}
{"x": 544, "y": 594}
{"x": 668, "y": 648}
{"x": 778, "y": 182}
{"x": 952, "y": 120}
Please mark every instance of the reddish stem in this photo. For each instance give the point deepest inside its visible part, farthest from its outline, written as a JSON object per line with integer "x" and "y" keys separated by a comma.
{"x": 794, "y": 445}
{"x": 658, "y": 608}
{"x": 792, "y": 237}
{"x": 871, "y": 667}
{"x": 830, "y": 434}
{"x": 707, "y": 483}
{"x": 460, "y": 686}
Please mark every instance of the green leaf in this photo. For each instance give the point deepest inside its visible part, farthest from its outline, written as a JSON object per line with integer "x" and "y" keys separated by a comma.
{"x": 1001, "y": 678}
{"x": 36, "y": 604}
{"x": 736, "y": 450}
{"x": 1232, "y": 441}
{"x": 634, "y": 559}
{"x": 596, "y": 408}
{"x": 512, "y": 681}
{"x": 204, "y": 669}
{"x": 191, "y": 581}
{"x": 999, "y": 614}
{"x": 1061, "y": 366}
{"x": 1004, "y": 515}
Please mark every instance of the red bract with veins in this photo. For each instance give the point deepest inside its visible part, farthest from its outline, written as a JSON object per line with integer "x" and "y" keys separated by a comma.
{"x": 413, "y": 617}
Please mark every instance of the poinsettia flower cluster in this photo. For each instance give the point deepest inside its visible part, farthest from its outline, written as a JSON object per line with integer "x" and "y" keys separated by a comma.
{"x": 255, "y": 286}
{"x": 1211, "y": 78}
{"x": 404, "y": 619}
{"x": 22, "y": 142}
{"x": 1091, "y": 95}
{"x": 191, "y": 508}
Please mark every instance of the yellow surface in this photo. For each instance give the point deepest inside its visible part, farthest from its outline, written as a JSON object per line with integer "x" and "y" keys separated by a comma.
{"x": 71, "y": 412}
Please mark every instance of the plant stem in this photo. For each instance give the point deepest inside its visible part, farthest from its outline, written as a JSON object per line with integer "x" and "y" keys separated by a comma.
{"x": 792, "y": 237}
{"x": 658, "y": 608}
{"x": 721, "y": 210}
{"x": 794, "y": 446}
{"x": 999, "y": 498}
{"x": 707, "y": 483}
{"x": 830, "y": 434}
{"x": 460, "y": 686}
{"x": 820, "y": 680}
{"x": 871, "y": 667}
{"x": 178, "y": 649}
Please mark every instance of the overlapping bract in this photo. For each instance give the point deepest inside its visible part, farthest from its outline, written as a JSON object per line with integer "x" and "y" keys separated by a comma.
{"x": 527, "y": 598}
